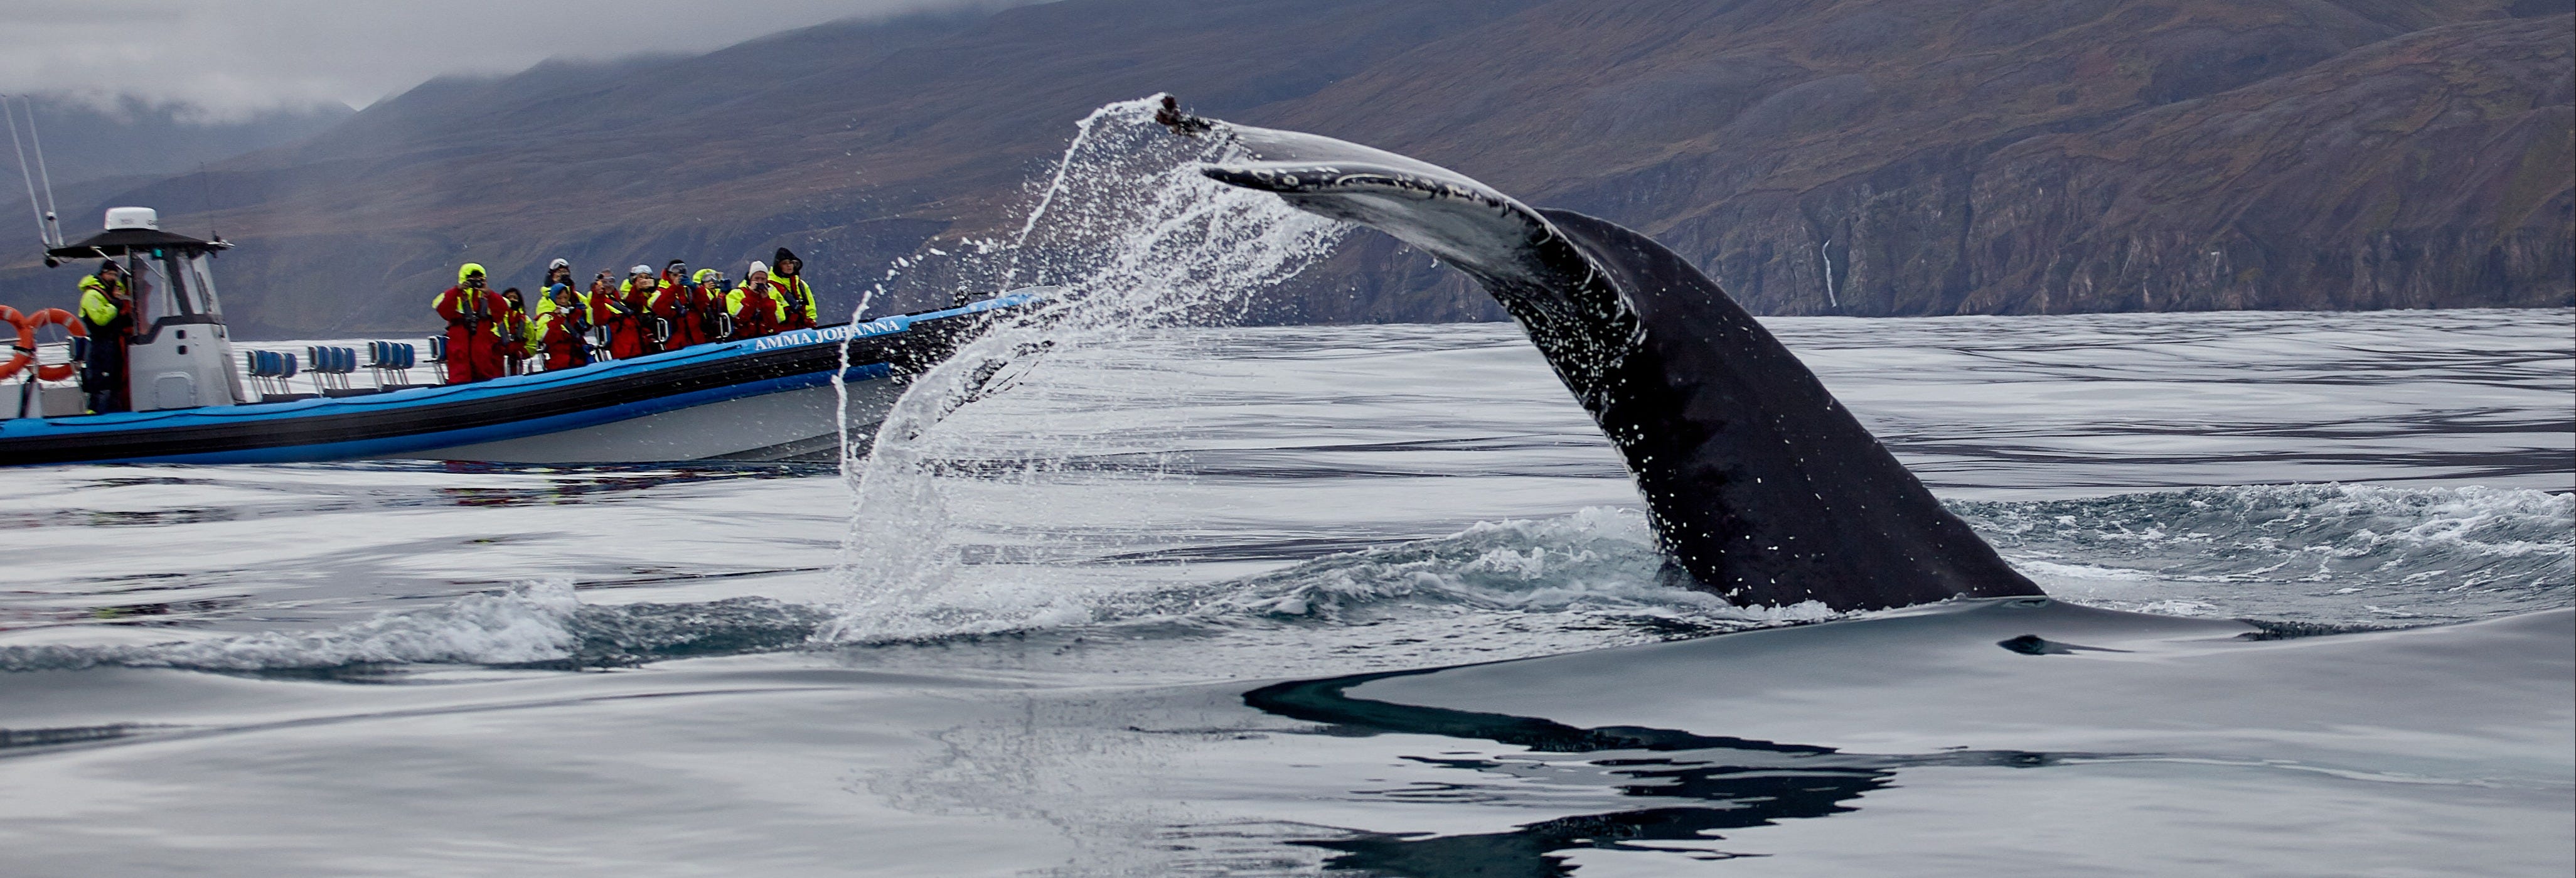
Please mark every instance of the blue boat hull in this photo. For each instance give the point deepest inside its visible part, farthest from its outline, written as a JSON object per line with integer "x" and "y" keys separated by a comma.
{"x": 763, "y": 398}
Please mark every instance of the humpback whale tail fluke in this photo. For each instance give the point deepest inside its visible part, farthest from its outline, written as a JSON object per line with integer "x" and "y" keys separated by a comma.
{"x": 1761, "y": 486}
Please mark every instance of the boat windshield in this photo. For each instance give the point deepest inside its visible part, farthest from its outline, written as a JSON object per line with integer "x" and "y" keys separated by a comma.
{"x": 171, "y": 283}
{"x": 201, "y": 283}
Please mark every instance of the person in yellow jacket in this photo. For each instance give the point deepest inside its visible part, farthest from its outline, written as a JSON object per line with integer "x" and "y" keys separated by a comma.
{"x": 108, "y": 308}
{"x": 558, "y": 329}
{"x": 513, "y": 327}
{"x": 755, "y": 306}
{"x": 707, "y": 294}
{"x": 787, "y": 274}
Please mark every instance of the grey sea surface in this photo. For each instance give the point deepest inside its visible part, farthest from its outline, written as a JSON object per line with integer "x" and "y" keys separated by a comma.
{"x": 1155, "y": 568}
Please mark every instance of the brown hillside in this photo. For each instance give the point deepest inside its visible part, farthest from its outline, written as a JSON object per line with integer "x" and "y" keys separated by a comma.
{"x": 1935, "y": 156}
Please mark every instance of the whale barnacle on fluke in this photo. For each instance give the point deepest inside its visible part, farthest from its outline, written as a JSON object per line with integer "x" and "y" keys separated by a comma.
{"x": 1761, "y": 486}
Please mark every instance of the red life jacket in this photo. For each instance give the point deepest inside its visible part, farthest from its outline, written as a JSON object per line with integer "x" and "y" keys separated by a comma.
{"x": 558, "y": 341}
{"x": 475, "y": 321}
{"x": 677, "y": 302}
{"x": 758, "y": 314}
{"x": 626, "y": 325}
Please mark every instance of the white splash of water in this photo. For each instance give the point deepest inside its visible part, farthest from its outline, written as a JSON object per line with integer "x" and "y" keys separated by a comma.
{"x": 1064, "y": 166}
{"x": 1133, "y": 239}
{"x": 850, "y": 447}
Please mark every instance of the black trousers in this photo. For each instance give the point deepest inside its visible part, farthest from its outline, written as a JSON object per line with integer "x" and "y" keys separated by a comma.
{"x": 103, "y": 379}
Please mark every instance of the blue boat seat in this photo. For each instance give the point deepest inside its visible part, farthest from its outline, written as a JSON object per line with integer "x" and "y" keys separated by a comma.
{"x": 392, "y": 362}
{"x": 331, "y": 368}
{"x": 438, "y": 357}
{"x": 269, "y": 371}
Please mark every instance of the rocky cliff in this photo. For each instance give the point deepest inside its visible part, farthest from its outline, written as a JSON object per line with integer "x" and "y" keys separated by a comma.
{"x": 1860, "y": 157}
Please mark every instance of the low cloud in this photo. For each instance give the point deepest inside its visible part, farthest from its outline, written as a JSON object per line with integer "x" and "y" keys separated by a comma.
{"x": 228, "y": 61}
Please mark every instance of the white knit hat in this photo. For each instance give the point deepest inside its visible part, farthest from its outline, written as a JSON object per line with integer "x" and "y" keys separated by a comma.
{"x": 640, "y": 269}
{"x": 759, "y": 266}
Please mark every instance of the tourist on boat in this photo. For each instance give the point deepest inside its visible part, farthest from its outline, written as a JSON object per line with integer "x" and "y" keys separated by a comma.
{"x": 787, "y": 274}
{"x": 474, "y": 317}
{"x": 514, "y": 333}
{"x": 613, "y": 309}
{"x": 602, "y": 286}
{"x": 547, "y": 300}
{"x": 707, "y": 288}
{"x": 107, "y": 309}
{"x": 755, "y": 305}
{"x": 675, "y": 303}
{"x": 557, "y": 329}
{"x": 557, "y": 272}
{"x": 638, "y": 290}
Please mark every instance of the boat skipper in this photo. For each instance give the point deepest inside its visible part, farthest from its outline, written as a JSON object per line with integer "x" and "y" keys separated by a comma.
{"x": 787, "y": 275}
{"x": 107, "y": 309}
{"x": 474, "y": 316}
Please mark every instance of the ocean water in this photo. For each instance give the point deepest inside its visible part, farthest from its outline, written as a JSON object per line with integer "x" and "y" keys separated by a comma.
{"x": 1100, "y": 620}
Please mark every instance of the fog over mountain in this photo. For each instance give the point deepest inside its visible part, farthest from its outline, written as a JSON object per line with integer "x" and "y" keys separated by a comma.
{"x": 1929, "y": 156}
{"x": 85, "y": 142}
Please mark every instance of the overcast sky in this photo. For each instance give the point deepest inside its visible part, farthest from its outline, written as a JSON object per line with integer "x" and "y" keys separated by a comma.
{"x": 235, "y": 57}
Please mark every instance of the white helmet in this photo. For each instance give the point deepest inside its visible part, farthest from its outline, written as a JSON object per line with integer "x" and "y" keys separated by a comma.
{"x": 559, "y": 263}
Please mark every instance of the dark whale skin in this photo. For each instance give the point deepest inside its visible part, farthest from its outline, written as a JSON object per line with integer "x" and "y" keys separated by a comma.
{"x": 1761, "y": 485}
{"x": 1762, "y": 488}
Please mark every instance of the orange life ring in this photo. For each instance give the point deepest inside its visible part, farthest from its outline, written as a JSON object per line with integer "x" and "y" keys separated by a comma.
{"x": 24, "y": 352}
{"x": 51, "y": 316}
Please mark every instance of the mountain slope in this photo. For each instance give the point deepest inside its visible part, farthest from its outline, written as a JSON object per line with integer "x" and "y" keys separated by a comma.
{"x": 1928, "y": 156}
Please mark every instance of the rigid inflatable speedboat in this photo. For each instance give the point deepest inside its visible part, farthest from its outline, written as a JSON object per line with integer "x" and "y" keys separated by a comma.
{"x": 767, "y": 398}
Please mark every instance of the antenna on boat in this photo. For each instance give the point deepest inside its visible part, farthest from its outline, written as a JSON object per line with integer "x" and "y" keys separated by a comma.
{"x": 53, "y": 218}
{"x": 46, "y": 229}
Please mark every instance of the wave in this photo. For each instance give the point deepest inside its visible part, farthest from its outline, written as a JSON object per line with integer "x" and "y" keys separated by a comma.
{"x": 2356, "y": 552}
{"x": 536, "y": 624}
{"x": 2333, "y": 555}
{"x": 1594, "y": 559}
{"x": 2329, "y": 557}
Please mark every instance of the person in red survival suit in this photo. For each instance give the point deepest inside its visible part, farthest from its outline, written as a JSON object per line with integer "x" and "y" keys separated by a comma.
{"x": 675, "y": 302}
{"x": 514, "y": 333}
{"x": 715, "y": 323}
{"x": 637, "y": 294}
{"x": 556, "y": 330}
{"x": 629, "y": 330}
{"x": 474, "y": 315}
{"x": 603, "y": 286}
{"x": 754, "y": 305}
